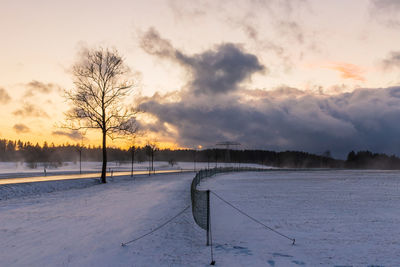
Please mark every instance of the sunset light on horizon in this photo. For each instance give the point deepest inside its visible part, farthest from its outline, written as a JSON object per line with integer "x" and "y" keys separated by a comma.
{"x": 281, "y": 75}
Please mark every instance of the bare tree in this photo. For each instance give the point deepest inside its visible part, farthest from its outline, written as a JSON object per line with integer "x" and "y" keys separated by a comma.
{"x": 151, "y": 148}
{"x": 101, "y": 85}
{"x": 132, "y": 149}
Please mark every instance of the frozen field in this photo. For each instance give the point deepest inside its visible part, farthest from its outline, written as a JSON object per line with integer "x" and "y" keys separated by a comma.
{"x": 339, "y": 218}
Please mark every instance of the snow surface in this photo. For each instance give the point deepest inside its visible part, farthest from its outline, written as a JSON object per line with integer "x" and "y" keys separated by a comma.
{"x": 21, "y": 169}
{"x": 85, "y": 227}
{"x": 339, "y": 218}
{"x": 8, "y": 191}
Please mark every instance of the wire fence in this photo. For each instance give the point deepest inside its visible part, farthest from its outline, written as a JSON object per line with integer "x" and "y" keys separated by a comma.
{"x": 200, "y": 198}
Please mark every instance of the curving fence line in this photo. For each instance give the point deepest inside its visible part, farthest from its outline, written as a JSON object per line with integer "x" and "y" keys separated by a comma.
{"x": 201, "y": 198}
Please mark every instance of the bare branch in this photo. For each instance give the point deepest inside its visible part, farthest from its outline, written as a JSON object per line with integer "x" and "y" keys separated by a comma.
{"x": 101, "y": 86}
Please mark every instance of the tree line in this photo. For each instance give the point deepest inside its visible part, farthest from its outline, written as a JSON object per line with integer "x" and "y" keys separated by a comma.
{"x": 55, "y": 155}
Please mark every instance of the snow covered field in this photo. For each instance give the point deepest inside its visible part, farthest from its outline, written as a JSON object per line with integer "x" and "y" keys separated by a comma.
{"x": 339, "y": 218}
{"x": 85, "y": 227}
{"x": 21, "y": 169}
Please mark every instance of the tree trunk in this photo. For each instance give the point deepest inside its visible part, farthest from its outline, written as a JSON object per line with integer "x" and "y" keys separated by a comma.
{"x": 80, "y": 161}
{"x": 133, "y": 157}
{"x": 104, "y": 167}
{"x": 152, "y": 161}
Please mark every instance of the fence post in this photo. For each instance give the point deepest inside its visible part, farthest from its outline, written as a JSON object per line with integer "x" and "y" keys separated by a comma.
{"x": 208, "y": 217}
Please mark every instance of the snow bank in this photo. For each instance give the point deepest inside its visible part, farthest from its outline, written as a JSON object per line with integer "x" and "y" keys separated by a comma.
{"x": 27, "y": 189}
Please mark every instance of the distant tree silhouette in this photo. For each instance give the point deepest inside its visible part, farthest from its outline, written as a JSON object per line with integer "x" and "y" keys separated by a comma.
{"x": 132, "y": 149}
{"x": 101, "y": 85}
{"x": 151, "y": 149}
{"x": 54, "y": 156}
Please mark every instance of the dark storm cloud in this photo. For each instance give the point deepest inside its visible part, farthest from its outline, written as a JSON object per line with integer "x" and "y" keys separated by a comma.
{"x": 286, "y": 119}
{"x": 218, "y": 70}
{"x": 214, "y": 106}
{"x": 4, "y": 96}
{"x": 392, "y": 60}
{"x": 21, "y": 128}
{"x": 30, "y": 110}
{"x": 74, "y": 135}
{"x": 35, "y": 87}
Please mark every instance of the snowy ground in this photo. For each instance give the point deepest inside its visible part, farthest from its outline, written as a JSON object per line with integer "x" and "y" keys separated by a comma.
{"x": 85, "y": 227}
{"x": 21, "y": 169}
{"x": 339, "y": 218}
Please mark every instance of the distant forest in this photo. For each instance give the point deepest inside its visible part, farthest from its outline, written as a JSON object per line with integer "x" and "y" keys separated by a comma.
{"x": 55, "y": 155}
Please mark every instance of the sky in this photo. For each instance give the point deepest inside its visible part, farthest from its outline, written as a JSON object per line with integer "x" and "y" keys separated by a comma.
{"x": 282, "y": 75}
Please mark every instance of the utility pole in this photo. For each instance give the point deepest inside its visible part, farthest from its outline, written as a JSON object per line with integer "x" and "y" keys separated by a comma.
{"x": 227, "y": 145}
{"x": 194, "y": 159}
{"x": 80, "y": 148}
{"x": 80, "y": 160}
{"x": 133, "y": 158}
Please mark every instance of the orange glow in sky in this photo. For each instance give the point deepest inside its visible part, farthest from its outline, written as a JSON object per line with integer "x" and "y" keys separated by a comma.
{"x": 41, "y": 40}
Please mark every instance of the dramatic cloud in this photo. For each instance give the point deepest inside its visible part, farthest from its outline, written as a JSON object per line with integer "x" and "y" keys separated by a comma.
{"x": 4, "y": 96}
{"x": 348, "y": 71}
{"x": 392, "y": 60}
{"x": 215, "y": 106}
{"x": 214, "y": 71}
{"x": 285, "y": 119}
{"x": 35, "y": 87}
{"x": 21, "y": 128}
{"x": 30, "y": 110}
{"x": 221, "y": 70}
{"x": 74, "y": 135}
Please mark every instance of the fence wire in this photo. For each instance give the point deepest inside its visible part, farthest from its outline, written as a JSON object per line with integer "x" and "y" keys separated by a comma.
{"x": 199, "y": 197}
